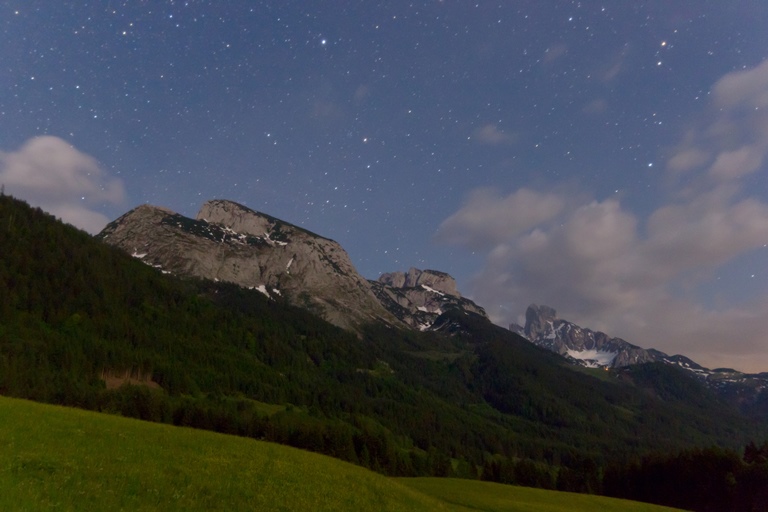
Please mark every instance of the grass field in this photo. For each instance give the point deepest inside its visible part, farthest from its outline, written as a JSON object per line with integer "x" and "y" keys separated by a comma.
{"x": 491, "y": 497}
{"x": 54, "y": 458}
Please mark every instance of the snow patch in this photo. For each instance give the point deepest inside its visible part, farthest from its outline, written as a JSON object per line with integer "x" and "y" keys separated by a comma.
{"x": 593, "y": 358}
{"x": 138, "y": 255}
{"x": 273, "y": 242}
{"x": 551, "y": 335}
{"x": 432, "y": 290}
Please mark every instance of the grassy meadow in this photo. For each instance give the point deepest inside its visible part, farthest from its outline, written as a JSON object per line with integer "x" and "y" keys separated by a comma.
{"x": 66, "y": 459}
{"x": 493, "y": 497}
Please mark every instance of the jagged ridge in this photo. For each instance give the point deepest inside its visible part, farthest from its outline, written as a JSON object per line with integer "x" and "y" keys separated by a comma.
{"x": 598, "y": 350}
{"x": 419, "y": 297}
{"x": 229, "y": 242}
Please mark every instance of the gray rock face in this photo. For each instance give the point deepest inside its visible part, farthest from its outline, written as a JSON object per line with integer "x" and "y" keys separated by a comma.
{"x": 582, "y": 346}
{"x": 598, "y": 350}
{"x": 538, "y": 320}
{"x": 229, "y": 242}
{"x": 418, "y": 297}
{"x": 414, "y": 278}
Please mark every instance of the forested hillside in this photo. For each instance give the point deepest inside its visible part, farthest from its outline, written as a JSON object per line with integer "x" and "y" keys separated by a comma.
{"x": 470, "y": 399}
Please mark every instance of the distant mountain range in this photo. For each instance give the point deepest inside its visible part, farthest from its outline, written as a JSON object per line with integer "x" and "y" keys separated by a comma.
{"x": 232, "y": 243}
{"x": 231, "y": 322}
{"x": 594, "y": 349}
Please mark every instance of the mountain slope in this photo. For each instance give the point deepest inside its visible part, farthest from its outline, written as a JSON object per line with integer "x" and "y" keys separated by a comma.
{"x": 456, "y": 399}
{"x": 229, "y": 242}
{"x": 419, "y": 297}
{"x": 593, "y": 349}
{"x": 589, "y": 348}
{"x": 85, "y": 461}
{"x": 232, "y": 243}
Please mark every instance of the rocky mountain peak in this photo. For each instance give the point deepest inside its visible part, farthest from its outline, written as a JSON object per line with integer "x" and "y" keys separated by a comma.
{"x": 419, "y": 297}
{"x": 234, "y": 216}
{"x": 598, "y": 350}
{"x": 149, "y": 209}
{"x": 580, "y": 345}
{"x": 242, "y": 219}
{"x": 134, "y": 221}
{"x": 143, "y": 211}
{"x": 230, "y": 242}
{"x": 538, "y": 319}
{"x": 414, "y": 278}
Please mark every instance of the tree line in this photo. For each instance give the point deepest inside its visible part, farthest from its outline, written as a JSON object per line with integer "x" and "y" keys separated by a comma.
{"x": 475, "y": 402}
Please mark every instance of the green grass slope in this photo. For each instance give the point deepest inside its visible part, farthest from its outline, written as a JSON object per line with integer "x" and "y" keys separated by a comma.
{"x": 493, "y": 497}
{"x": 67, "y": 459}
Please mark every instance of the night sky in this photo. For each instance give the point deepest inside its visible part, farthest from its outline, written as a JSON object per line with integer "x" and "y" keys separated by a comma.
{"x": 608, "y": 159}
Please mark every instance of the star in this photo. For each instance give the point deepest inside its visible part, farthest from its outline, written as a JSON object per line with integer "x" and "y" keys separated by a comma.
{"x": 437, "y": 93}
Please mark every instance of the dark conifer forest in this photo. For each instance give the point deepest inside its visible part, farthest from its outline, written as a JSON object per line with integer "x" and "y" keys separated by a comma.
{"x": 469, "y": 400}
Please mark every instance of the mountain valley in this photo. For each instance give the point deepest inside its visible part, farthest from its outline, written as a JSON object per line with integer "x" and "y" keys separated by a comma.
{"x": 248, "y": 325}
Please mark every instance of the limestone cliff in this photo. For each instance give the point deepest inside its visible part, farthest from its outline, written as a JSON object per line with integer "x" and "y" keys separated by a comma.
{"x": 418, "y": 297}
{"x": 229, "y": 242}
{"x": 587, "y": 347}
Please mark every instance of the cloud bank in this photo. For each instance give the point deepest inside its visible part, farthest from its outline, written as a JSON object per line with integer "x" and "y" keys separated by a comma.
{"x": 48, "y": 172}
{"x": 608, "y": 269}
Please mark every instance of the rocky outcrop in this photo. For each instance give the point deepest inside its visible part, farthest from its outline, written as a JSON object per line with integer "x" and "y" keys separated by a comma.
{"x": 419, "y": 297}
{"x": 414, "y": 278}
{"x": 539, "y": 321}
{"x": 583, "y": 346}
{"x": 598, "y": 350}
{"x": 229, "y": 242}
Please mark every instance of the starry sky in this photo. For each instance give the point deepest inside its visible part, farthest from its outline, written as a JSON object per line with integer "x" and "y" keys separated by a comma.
{"x": 609, "y": 159}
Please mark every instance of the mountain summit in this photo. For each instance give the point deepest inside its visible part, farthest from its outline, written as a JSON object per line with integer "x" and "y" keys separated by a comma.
{"x": 594, "y": 349}
{"x": 229, "y": 242}
{"x": 418, "y": 297}
{"x": 583, "y": 346}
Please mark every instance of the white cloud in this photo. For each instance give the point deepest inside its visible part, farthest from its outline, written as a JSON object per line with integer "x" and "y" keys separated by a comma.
{"x": 737, "y": 163}
{"x": 606, "y": 268}
{"x": 486, "y": 218}
{"x": 48, "y": 172}
{"x": 707, "y": 231}
{"x": 735, "y": 136}
{"x": 748, "y": 88}
{"x": 687, "y": 159}
{"x": 491, "y": 134}
{"x": 593, "y": 264}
